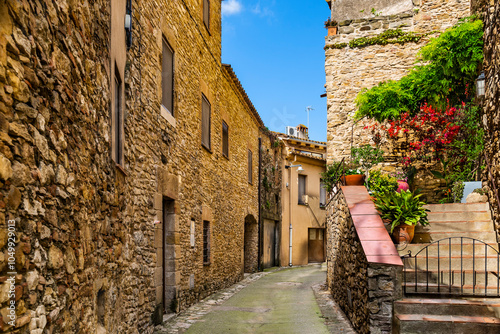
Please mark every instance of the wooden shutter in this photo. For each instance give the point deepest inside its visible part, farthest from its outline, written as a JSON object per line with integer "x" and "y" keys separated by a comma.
{"x": 205, "y": 122}
{"x": 225, "y": 139}
{"x": 167, "y": 78}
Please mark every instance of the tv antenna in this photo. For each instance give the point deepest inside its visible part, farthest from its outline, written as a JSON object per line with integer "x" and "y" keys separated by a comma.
{"x": 308, "y": 109}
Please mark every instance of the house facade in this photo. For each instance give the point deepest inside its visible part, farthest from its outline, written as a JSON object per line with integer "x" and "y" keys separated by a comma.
{"x": 303, "y": 237}
{"x": 129, "y": 163}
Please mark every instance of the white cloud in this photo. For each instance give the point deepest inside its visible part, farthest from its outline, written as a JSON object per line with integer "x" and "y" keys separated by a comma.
{"x": 231, "y": 7}
{"x": 262, "y": 12}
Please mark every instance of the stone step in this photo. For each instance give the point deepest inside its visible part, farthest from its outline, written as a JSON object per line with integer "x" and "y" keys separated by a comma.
{"x": 467, "y": 247}
{"x": 457, "y": 263}
{"x": 443, "y": 289}
{"x": 458, "y": 207}
{"x": 465, "y": 277}
{"x": 485, "y": 307}
{"x": 456, "y": 226}
{"x": 458, "y": 216}
{"x": 440, "y": 324}
{"x": 428, "y": 237}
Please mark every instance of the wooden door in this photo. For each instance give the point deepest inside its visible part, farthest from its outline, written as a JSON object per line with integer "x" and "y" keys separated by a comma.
{"x": 316, "y": 245}
{"x": 269, "y": 243}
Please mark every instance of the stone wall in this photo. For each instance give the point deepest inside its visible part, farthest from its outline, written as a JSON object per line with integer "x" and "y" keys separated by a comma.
{"x": 491, "y": 120}
{"x": 364, "y": 290}
{"x": 349, "y": 70}
{"x": 97, "y": 243}
{"x": 271, "y": 183}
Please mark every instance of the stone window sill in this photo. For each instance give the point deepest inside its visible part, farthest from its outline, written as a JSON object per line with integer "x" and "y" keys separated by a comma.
{"x": 168, "y": 116}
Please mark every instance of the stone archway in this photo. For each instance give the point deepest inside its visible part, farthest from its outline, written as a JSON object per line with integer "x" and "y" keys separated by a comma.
{"x": 251, "y": 244}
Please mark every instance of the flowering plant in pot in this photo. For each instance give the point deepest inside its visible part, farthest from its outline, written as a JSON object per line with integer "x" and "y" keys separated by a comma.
{"x": 353, "y": 175}
{"x": 366, "y": 156}
{"x": 331, "y": 25}
{"x": 403, "y": 210}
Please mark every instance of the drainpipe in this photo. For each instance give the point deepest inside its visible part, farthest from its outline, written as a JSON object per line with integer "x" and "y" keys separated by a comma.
{"x": 290, "y": 216}
{"x": 259, "y": 247}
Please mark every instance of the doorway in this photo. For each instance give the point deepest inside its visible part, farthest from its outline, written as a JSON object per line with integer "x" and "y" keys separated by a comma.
{"x": 169, "y": 288}
{"x": 250, "y": 244}
{"x": 316, "y": 245}
{"x": 270, "y": 256}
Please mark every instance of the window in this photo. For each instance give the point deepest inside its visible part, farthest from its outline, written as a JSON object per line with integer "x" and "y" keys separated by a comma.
{"x": 322, "y": 194}
{"x": 302, "y": 188}
{"x": 206, "y": 13}
{"x": 118, "y": 119}
{"x": 249, "y": 166}
{"x": 206, "y": 242}
{"x": 167, "y": 78}
{"x": 225, "y": 139}
{"x": 205, "y": 122}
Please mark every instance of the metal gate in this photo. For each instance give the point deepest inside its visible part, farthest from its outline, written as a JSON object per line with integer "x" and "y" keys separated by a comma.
{"x": 458, "y": 266}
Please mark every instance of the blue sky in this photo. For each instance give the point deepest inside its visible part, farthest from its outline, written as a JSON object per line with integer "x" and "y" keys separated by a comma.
{"x": 276, "y": 50}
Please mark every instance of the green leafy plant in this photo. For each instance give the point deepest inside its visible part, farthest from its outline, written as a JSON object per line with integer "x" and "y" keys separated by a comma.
{"x": 457, "y": 191}
{"x": 401, "y": 208}
{"x": 332, "y": 175}
{"x": 447, "y": 67}
{"x": 366, "y": 156}
{"x": 330, "y": 23}
{"x": 380, "y": 183}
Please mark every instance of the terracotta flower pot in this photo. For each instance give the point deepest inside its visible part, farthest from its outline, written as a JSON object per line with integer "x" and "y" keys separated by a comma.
{"x": 402, "y": 185}
{"x": 354, "y": 180}
{"x": 332, "y": 31}
{"x": 403, "y": 233}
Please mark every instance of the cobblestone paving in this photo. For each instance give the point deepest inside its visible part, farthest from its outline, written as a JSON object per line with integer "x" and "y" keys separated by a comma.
{"x": 333, "y": 317}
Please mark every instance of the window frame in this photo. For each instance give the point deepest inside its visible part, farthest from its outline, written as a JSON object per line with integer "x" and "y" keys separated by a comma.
{"x": 225, "y": 139}
{"x": 171, "y": 107}
{"x": 322, "y": 193}
{"x": 208, "y": 145}
{"x": 206, "y": 11}
{"x": 250, "y": 166}
{"x": 304, "y": 188}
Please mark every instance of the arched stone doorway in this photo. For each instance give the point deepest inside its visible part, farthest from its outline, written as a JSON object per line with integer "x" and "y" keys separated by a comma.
{"x": 251, "y": 244}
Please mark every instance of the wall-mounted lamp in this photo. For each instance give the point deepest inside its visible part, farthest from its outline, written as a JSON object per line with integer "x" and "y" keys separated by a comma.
{"x": 480, "y": 85}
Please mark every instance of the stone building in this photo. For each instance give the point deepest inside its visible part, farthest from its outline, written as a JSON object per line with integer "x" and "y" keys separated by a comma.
{"x": 128, "y": 162}
{"x": 349, "y": 70}
{"x": 491, "y": 103}
{"x": 303, "y": 199}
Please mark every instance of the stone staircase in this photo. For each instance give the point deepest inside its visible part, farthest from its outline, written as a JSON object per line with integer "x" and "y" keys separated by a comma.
{"x": 461, "y": 268}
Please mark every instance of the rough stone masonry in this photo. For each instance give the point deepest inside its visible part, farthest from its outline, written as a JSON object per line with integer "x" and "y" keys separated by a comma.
{"x": 102, "y": 246}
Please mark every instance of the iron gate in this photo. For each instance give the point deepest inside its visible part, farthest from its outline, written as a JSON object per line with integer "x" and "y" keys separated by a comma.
{"x": 453, "y": 266}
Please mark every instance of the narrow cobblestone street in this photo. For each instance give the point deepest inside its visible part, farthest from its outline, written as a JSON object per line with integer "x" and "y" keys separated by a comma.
{"x": 280, "y": 301}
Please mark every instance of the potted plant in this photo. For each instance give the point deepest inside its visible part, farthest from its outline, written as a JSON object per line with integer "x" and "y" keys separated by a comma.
{"x": 331, "y": 25}
{"x": 366, "y": 156}
{"x": 403, "y": 210}
{"x": 353, "y": 176}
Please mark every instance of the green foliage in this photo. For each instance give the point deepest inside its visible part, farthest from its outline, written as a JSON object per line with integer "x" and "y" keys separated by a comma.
{"x": 390, "y": 36}
{"x": 332, "y": 175}
{"x": 446, "y": 72}
{"x": 401, "y": 208}
{"x": 366, "y": 156}
{"x": 380, "y": 183}
{"x": 457, "y": 191}
{"x": 468, "y": 145}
